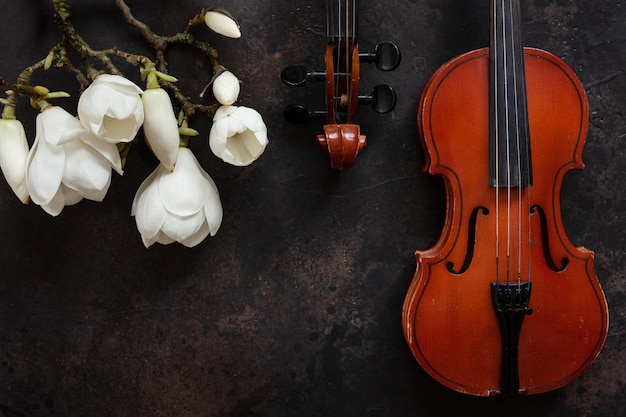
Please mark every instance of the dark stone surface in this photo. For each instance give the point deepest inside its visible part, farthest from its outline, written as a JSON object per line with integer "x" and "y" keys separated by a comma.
{"x": 293, "y": 309}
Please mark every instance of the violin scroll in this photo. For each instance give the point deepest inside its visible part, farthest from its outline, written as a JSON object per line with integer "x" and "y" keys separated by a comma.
{"x": 343, "y": 143}
{"x": 342, "y": 137}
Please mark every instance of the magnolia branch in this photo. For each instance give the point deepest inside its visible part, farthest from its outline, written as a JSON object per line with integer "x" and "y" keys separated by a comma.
{"x": 93, "y": 62}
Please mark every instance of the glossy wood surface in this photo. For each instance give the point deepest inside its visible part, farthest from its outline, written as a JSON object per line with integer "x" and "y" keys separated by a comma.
{"x": 448, "y": 319}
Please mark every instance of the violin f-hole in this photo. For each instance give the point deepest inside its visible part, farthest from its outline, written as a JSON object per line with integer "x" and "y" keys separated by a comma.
{"x": 545, "y": 241}
{"x": 471, "y": 242}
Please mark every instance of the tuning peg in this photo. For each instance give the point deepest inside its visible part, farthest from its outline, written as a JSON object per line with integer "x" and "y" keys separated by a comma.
{"x": 297, "y": 75}
{"x": 382, "y": 98}
{"x": 386, "y": 56}
{"x": 299, "y": 113}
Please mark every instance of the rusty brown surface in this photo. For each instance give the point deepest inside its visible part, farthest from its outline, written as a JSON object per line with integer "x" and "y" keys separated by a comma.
{"x": 293, "y": 309}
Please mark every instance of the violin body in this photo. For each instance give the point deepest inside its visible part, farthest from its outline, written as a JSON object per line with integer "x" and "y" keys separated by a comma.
{"x": 450, "y": 319}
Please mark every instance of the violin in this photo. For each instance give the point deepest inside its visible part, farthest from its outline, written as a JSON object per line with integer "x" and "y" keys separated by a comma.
{"x": 504, "y": 303}
{"x": 342, "y": 137}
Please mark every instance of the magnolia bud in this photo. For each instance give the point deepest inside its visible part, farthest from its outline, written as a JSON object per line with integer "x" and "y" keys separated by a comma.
{"x": 160, "y": 126}
{"x": 220, "y": 21}
{"x": 13, "y": 155}
{"x": 226, "y": 88}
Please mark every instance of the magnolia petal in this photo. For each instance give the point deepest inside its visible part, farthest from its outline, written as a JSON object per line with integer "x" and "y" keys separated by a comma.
{"x": 55, "y": 206}
{"x": 213, "y": 210}
{"x": 221, "y": 129}
{"x": 92, "y": 105}
{"x": 118, "y": 129}
{"x": 13, "y": 156}
{"x": 161, "y": 126}
{"x": 148, "y": 210}
{"x": 142, "y": 188}
{"x": 119, "y": 83}
{"x": 181, "y": 228}
{"x": 86, "y": 171}
{"x": 213, "y": 213}
{"x": 183, "y": 191}
{"x": 160, "y": 237}
{"x": 56, "y": 126}
{"x": 106, "y": 149}
{"x": 252, "y": 120}
{"x": 44, "y": 171}
{"x": 221, "y": 22}
{"x": 71, "y": 196}
{"x": 148, "y": 242}
{"x": 163, "y": 239}
{"x": 124, "y": 116}
{"x": 198, "y": 237}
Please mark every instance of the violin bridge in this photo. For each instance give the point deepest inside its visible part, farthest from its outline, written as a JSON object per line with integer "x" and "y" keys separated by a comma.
{"x": 510, "y": 302}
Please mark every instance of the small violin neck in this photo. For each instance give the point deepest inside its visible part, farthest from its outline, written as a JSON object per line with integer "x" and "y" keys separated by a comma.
{"x": 341, "y": 20}
{"x": 510, "y": 162}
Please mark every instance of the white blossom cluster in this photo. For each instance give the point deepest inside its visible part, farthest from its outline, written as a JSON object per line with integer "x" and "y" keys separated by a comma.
{"x": 72, "y": 157}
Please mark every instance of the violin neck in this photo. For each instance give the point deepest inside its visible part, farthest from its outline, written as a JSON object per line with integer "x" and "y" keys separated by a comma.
{"x": 510, "y": 162}
{"x": 341, "y": 20}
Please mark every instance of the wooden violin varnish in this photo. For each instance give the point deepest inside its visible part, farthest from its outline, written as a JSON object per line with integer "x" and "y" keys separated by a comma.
{"x": 504, "y": 303}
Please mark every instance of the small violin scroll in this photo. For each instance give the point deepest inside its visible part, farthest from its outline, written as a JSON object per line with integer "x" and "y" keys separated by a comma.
{"x": 342, "y": 138}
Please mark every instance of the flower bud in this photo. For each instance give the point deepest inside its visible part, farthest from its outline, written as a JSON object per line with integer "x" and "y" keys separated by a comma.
{"x": 13, "y": 155}
{"x": 160, "y": 126}
{"x": 220, "y": 21}
{"x": 226, "y": 88}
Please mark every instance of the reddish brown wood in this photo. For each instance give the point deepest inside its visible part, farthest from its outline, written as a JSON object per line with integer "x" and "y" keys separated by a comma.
{"x": 342, "y": 138}
{"x": 448, "y": 320}
{"x": 343, "y": 142}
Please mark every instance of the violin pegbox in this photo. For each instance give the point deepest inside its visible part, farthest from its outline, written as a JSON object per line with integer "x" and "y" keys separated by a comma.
{"x": 342, "y": 138}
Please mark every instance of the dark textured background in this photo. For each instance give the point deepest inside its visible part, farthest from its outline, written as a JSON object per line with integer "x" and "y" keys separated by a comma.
{"x": 294, "y": 308}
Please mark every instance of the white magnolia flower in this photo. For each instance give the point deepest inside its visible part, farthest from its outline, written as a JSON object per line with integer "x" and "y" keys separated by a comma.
{"x": 160, "y": 126}
{"x": 111, "y": 108}
{"x": 220, "y": 21}
{"x": 226, "y": 88}
{"x": 181, "y": 206}
{"x": 67, "y": 163}
{"x": 238, "y": 135}
{"x": 13, "y": 155}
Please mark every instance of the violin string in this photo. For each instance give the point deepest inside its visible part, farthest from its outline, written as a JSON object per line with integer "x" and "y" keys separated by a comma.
{"x": 347, "y": 48}
{"x": 517, "y": 144}
{"x": 337, "y": 65}
{"x": 495, "y": 126}
{"x": 526, "y": 137}
{"x": 508, "y": 140}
